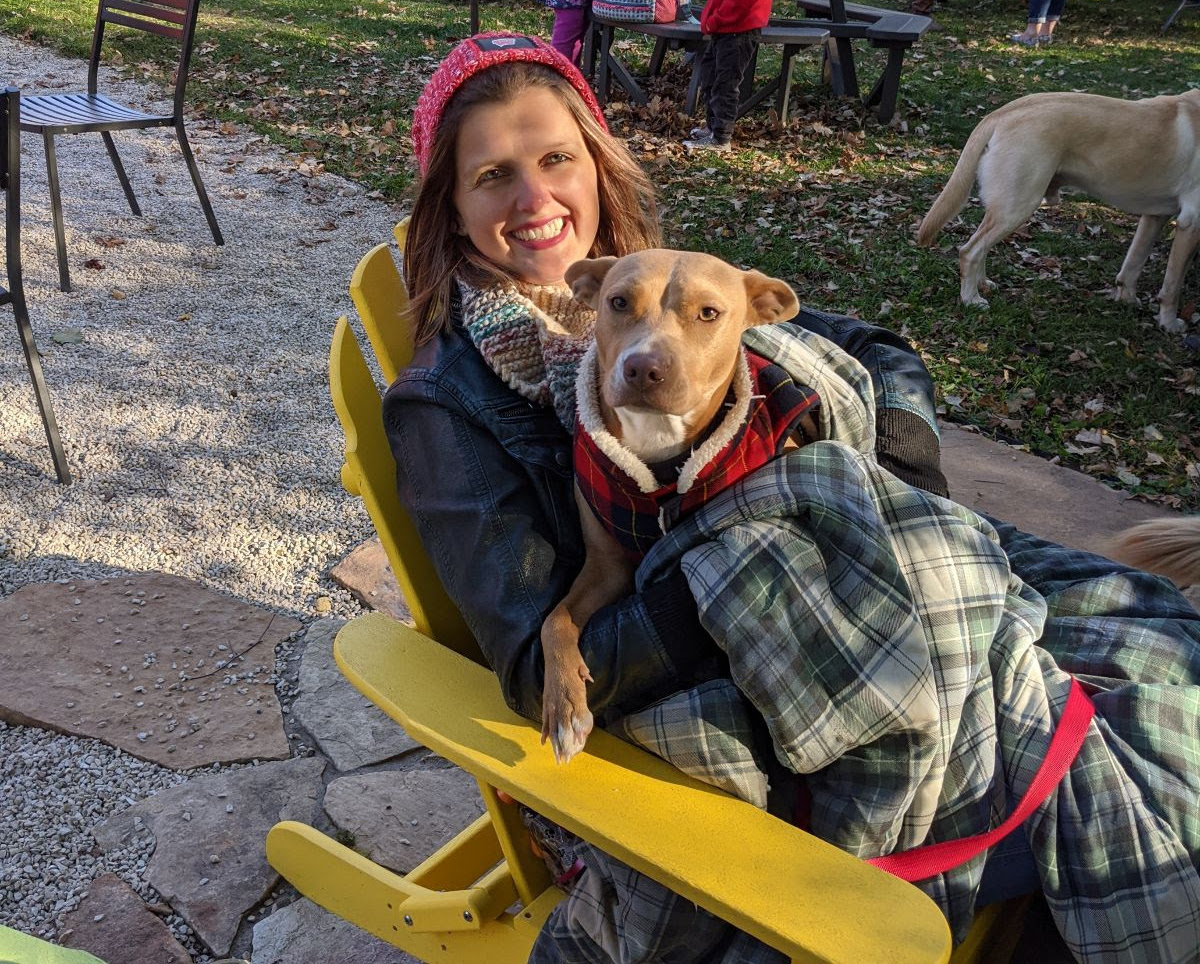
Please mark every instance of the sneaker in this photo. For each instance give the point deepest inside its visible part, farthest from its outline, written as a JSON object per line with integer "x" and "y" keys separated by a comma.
{"x": 708, "y": 143}
{"x": 696, "y": 133}
{"x": 1025, "y": 41}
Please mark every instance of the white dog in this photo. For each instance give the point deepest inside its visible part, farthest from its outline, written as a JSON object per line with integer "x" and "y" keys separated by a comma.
{"x": 1141, "y": 156}
{"x": 1170, "y": 547}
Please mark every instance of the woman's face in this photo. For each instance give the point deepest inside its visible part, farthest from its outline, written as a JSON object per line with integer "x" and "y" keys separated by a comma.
{"x": 525, "y": 186}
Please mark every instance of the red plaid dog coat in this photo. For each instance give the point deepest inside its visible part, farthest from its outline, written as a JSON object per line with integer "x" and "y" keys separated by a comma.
{"x": 636, "y": 517}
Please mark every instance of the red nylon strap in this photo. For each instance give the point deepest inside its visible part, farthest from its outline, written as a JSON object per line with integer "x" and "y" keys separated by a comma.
{"x": 933, "y": 859}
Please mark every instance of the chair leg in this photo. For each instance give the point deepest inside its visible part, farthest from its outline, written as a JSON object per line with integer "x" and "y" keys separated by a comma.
{"x": 1175, "y": 13}
{"x": 200, "y": 192}
{"x": 60, "y": 241}
{"x": 116, "y": 162}
{"x": 33, "y": 360}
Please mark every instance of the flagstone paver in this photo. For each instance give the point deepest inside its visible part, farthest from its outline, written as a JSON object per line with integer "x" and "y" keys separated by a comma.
{"x": 349, "y": 729}
{"x": 209, "y": 860}
{"x": 112, "y": 919}
{"x": 157, "y": 665}
{"x": 400, "y": 817}
{"x": 303, "y": 933}
{"x": 367, "y": 573}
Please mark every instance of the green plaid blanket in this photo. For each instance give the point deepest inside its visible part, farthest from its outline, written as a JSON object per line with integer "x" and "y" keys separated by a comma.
{"x": 910, "y": 660}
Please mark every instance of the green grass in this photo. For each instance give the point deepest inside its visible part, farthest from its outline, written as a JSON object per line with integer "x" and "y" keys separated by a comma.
{"x": 827, "y": 202}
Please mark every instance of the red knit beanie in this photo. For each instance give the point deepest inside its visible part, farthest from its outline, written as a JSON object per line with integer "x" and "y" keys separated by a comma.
{"x": 469, "y": 58}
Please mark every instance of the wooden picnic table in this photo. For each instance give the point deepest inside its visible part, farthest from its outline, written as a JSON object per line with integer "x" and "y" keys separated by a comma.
{"x": 835, "y": 23}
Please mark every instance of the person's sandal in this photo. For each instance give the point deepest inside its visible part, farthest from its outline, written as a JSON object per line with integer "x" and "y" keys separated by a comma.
{"x": 1025, "y": 41}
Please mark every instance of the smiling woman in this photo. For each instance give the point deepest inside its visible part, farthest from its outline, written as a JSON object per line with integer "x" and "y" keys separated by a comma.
{"x": 521, "y": 178}
{"x": 526, "y": 186}
{"x": 510, "y": 142}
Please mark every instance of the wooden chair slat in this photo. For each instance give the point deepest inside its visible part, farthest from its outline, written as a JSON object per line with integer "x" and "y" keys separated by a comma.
{"x": 150, "y": 26}
{"x": 169, "y": 14}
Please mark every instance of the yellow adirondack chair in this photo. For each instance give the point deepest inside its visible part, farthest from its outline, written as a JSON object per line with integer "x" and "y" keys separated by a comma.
{"x": 483, "y": 896}
{"x": 19, "y": 948}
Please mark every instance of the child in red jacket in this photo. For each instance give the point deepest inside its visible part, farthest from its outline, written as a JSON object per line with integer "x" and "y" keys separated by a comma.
{"x": 733, "y": 28}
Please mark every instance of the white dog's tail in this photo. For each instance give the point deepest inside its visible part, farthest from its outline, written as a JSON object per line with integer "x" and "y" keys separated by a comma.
{"x": 954, "y": 195}
{"x": 1170, "y": 547}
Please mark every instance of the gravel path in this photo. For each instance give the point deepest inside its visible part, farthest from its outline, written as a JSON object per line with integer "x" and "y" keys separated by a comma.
{"x": 195, "y": 414}
{"x": 195, "y": 411}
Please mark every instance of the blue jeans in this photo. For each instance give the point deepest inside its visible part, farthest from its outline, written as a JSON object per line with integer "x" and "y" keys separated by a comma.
{"x": 1009, "y": 871}
{"x": 1042, "y": 10}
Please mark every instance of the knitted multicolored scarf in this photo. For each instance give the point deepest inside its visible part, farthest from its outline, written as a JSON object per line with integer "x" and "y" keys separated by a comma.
{"x": 533, "y": 337}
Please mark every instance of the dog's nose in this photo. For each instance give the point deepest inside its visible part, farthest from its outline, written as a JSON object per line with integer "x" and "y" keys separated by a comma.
{"x": 644, "y": 370}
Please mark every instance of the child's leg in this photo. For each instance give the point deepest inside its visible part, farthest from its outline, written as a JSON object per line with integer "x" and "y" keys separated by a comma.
{"x": 567, "y": 38}
{"x": 707, "y": 70}
{"x": 732, "y": 54}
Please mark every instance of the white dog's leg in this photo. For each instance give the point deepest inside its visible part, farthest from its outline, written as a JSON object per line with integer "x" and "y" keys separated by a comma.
{"x": 994, "y": 228}
{"x": 1186, "y": 238}
{"x": 1011, "y": 187}
{"x": 1148, "y": 230}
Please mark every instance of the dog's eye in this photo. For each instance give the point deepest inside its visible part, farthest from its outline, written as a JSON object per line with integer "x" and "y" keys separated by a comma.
{"x": 709, "y": 313}
{"x": 618, "y": 303}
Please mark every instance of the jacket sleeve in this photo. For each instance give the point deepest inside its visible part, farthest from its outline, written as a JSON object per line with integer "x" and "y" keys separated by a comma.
{"x": 507, "y": 554}
{"x": 907, "y": 442}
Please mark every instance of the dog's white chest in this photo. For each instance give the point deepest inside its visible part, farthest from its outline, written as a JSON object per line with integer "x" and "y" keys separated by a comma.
{"x": 652, "y": 436}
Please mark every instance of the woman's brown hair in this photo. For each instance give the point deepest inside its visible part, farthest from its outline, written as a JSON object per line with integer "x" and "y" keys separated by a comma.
{"x": 434, "y": 252}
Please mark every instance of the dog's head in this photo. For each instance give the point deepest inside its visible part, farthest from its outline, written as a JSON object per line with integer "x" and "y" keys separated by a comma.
{"x": 668, "y": 327}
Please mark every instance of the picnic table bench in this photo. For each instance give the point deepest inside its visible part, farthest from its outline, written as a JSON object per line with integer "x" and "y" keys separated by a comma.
{"x": 846, "y": 22}
{"x": 605, "y": 65}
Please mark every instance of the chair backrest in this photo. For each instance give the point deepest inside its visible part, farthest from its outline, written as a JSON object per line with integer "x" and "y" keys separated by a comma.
{"x": 10, "y": 184}
{"x": 174, "y": 19}
{"x": 378, "y": 292}
{"x": 370, "y": 472}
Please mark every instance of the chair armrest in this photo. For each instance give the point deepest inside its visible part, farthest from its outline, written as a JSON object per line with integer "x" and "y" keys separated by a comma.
{"x": 789, "y": 889}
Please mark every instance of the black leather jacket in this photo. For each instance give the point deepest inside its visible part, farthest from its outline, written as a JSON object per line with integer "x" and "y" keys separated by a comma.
{"x": 486, "y": 476}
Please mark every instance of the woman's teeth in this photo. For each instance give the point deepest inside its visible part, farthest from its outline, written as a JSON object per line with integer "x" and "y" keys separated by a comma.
{"x": 551, "y": 229}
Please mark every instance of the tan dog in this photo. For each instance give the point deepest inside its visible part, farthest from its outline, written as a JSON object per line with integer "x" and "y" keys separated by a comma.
{"x": 668, "y": 334}
{"x": 1170, "y": 547}
{"x": 1141, "y": 156}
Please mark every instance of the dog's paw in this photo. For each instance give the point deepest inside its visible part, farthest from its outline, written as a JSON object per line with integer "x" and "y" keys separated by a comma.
{"x": 975, "y": 301}
{"x": 569, "y": 738}
{"x": 566, "y": 719}
{"x": 1124, "y": 293}
{"x": 1171, "y": 322}
{"x": 987, "y": 285}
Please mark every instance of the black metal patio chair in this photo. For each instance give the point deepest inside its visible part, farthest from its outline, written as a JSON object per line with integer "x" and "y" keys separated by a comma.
{"x": 10, "y": 184}
{"x": 1183, "y": 5}
{"x": 80, "y": 113}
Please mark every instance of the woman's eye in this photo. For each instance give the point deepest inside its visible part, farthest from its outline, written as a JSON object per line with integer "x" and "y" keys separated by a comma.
{"x": 490, "y": 175}
{"x": 557, "y": 158}
{"x": 709, "y": 313}
{"x": 618, "y": 303}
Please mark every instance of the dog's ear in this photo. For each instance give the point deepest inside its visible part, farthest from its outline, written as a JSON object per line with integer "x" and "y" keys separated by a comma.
{"x": 585, "y": 278}
{"x": 770, "y": 299}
